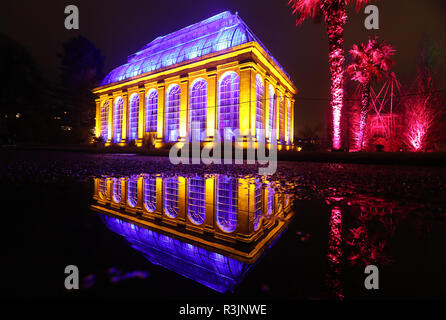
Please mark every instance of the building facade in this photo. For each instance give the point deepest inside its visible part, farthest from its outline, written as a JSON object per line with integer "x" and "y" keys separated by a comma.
{"x": 201, "y": 82}
{"x": 236, "y": 217}
{"x": 209, "y": 228}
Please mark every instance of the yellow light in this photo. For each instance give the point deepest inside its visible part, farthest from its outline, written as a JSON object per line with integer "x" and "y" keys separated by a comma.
{"x": 214, "y": 57}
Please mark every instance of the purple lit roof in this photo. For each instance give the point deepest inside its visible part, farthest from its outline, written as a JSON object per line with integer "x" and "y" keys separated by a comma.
{"x": 217, "y": 33}
{"x": 209, "y": 268}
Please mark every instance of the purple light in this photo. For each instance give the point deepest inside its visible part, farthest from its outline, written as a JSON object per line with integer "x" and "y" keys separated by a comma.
{"x": 211, "y": 269}
{"x": 228, "y": 108}
{"x": 227, "y": 203}
{"x": 198, "y": 109}
{"x": 173, "y": 113}
{"x": 152, "y": 111}
{"x": 214, "y": 34}
{"x": 133, "y": 117}
{"x": 118, "y": 119}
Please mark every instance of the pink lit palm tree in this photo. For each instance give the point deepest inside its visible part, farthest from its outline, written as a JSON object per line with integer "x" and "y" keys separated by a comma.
{"x": 371, "y": 61}
{"x": 335, "y": 16}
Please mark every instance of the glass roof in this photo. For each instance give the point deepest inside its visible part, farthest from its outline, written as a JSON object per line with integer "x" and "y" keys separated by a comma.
{"x": 214, "y": 34}
{"x": 209, "y": 268}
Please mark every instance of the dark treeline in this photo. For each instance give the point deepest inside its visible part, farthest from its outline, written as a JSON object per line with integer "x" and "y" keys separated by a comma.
{"x": 35, "y": 111}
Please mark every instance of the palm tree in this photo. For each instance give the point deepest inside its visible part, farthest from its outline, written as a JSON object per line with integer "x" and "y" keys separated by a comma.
{"x": 335, "y": 16}
{"x": 371, "y": 61}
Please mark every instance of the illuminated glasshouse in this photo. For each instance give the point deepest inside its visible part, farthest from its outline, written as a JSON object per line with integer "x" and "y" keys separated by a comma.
{"x": 207, "y": 79}
{"x": 211, "y": 228}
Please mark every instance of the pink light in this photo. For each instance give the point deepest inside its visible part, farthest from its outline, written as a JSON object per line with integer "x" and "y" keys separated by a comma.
{"x": 420, "y": 118}
{"x": 336, "y": 61}
{"x": 417, "y": 133}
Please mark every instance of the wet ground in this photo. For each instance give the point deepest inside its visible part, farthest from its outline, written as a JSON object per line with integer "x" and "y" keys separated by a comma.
{"x": 346, "y": 217}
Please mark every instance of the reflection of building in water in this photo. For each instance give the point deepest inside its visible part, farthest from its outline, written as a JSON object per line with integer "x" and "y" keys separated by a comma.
{"x": 210, "y": 229}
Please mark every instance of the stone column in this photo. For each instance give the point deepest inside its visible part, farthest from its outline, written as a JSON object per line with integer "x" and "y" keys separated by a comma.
{"x": 142, "y": 112}
{"x": 159, "y": 196}
{"x": 243, "y": 221}
{"x": 182, "y": 199}
{"x": 211, "y": 202}
{"x": 97, "y": 131}
{"x": 277, "y": 118}
{"x": 111, "y": 123}
{"x": 160, "y": 113}
{"x": 246, "y": 101}
{"x": 292, "y": 122}
{"x": 140, "y": 194}
{"x": 212, "y": 105}
{"x": 184, "y": 102}
{"x": 267, "y": 109}
{"x": 125, "y": 113}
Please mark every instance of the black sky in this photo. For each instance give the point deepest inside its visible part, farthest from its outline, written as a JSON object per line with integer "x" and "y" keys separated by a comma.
{"x": 119, "y": 28}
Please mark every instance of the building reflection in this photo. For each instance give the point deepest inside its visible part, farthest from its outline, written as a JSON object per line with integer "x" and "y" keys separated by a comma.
{"x": 210, "y": 228}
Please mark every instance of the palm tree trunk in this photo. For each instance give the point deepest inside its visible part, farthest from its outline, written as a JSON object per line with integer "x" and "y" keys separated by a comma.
{"x": 365, "y": 102}
{"x": 335, "y": 17}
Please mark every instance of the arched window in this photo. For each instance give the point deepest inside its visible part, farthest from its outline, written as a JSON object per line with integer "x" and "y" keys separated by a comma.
{"x": 150, "y": 194}
{"x": 197, "y": 200}
{"x": 272, "y": 113}
{"x": 227, "y": 203}
{"x": 260, "y": 96}
{"x": 229, "y": 105}
{"x": 281, "y": 119}
{"x": 133, "y": 117}
{"x": 118, "y": 119}
{"x": 117, "y": 190}
{"x": 152, "y": 111}
{"x": 132, "y": 192}
{"x": 270, "y": 200}
{"x": 288, "y": 121}
{"x": 103, "y": 188}
{"x": 257, "y": 205}
{"x": 173, "y": 113}
{"x": 198, "y": 110}
{"x": 104, "y": 120}
{"x": 171, "y": 197}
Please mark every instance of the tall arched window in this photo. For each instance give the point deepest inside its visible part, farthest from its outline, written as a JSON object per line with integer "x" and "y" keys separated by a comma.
{"x": 104, "y": 120}
{"x": 150, "y": 194}
{"x": 118, "y": 119}
{"x": 281, "y": 119}
{"x": 229, "y": 104}
{"x": 270, "y": 200}
{"x": 227, "y": 203}
{"x": 257, "y": 205}
{"x": 152, "y": 111}
{"x": 132, "y": 192}
{"x": 288, "y": 121}
{"x": 133, "y": 117}
{"x": 116, "y": 190}
{"x": 260, "y": 96}
{"x": 171, "y": 197}
{"x": 173, "y": 113}
{"x": 103, "y": 188}
{"x": 272, "y": 113}
{"x": 196, "y": 208}
{"x": 198, "y": 110}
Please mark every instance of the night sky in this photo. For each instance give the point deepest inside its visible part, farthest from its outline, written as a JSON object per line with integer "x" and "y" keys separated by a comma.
{"x": 119, "y": 28}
